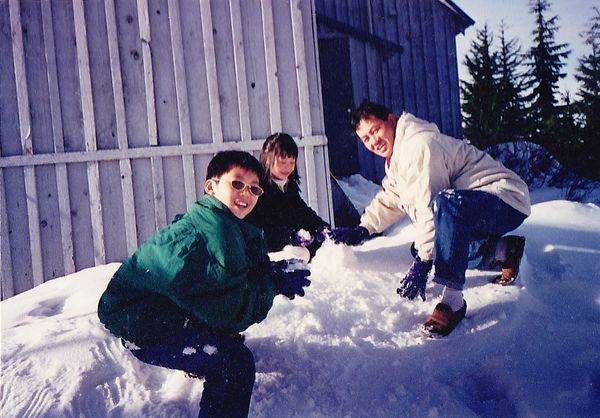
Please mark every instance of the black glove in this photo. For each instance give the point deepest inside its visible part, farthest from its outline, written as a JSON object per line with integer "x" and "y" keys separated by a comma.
{"x": 290, "y": 282}
{"x": 349, "y": 236}
{"x": 415, "y": 280}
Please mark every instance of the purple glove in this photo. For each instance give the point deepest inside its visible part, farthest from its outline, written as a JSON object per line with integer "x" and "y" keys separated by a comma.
{"x": 349, "y": 236}
{"x": 415, "y": 280}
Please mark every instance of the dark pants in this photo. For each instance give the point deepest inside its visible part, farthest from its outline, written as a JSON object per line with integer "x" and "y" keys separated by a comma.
{"x": 464, "y": 221}
{"x": 224, "y": 361}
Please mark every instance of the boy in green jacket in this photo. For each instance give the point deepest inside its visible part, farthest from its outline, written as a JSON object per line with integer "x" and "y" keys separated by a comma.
{"x": 181, "y": 300}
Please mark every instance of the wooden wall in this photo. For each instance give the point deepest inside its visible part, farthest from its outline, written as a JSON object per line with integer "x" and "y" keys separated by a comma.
{"x": 402, "y": 54}
{"x": 110, "y": 111}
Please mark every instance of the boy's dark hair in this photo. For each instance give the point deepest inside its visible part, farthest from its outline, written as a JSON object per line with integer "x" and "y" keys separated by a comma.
{"x": 279, "y": 145}
{"x": 367, "y": 109}
{"x": 225, "y": 161}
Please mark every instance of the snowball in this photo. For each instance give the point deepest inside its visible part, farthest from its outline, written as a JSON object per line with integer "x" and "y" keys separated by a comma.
{"x": 210, "y": 349}
{"x": 188, "y": 351}
{"x": 290, "y": 252}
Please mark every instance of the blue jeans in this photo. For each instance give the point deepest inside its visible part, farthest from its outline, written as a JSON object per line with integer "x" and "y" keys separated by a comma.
{"x": 224, "y": 361}
{"x": 467, "y": 224}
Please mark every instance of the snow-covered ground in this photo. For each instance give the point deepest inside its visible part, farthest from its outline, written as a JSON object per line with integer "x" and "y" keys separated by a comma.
{"x": 351, "y": 347}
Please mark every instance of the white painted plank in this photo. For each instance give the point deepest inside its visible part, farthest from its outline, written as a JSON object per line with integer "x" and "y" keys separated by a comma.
{"x": 182, "y": 99}
{"x": 301, "y": 74}
{"x": 62, "y": 182}
{"x": 211, "y": 71}
{"x": 311, "y": 180}
{"x": 8, "y": 288}
{"x": 85, "y": 82}
{"x": 89, "y": 131}
{"x": 52, "y": 74}
{"x": 149, "y": 152}
{"x": 144, "y": 23}
{"x": 20, "y": 77}
{"x": 271, "y": 66}
{"x": 179, "y": 70}
{"x": 124, "y": 164}
{"x": 160, "y": 212}
{"x": 115, "y": 69}
{"x": 240, "y": 69}
{"x": 26, "y": 142}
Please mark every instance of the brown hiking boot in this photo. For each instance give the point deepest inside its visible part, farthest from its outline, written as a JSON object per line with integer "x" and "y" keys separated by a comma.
{"x": 442, "y": 321}
{"x": 512, "y": 247}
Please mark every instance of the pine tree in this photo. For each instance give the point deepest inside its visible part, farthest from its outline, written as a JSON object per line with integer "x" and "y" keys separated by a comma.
{"x": 511, "y": 89}
{"x": 481, "y": 117}
{"x": 588, "y": 75}
{"x": 565, "y": 128}
{"x": 545, "y": 62}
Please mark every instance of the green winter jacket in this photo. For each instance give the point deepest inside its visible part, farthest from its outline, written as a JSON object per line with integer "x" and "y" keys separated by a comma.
{"x": 207, "y": 269}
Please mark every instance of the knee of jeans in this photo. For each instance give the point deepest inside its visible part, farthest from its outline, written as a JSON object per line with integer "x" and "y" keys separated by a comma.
{"x": 445, "y": 199}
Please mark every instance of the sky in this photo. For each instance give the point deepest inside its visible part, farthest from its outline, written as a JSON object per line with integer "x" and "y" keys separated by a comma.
{"x": 572, "y": 15}
{"x": 351, "y": 348}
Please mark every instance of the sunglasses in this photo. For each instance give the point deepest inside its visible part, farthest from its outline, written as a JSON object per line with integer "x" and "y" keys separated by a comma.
{"x": 240, "y": 185}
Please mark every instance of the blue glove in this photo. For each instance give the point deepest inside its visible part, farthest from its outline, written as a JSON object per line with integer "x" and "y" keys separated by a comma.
{"x": 349, "y": 236}
{"x": 290, "y": 282}
{"x": 415, "y": 280}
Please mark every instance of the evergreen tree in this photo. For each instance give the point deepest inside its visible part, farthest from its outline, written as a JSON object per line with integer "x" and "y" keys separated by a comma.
{"x": 511, "y": 104}
{"x": 588, "y": 75}
{"x": 566, "y": 131}
{"x": 545, "y": 62}
{"x": 480, "y": 95}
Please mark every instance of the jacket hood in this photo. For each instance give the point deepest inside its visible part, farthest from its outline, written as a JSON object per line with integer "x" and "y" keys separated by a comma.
{"x": 409, "y": 125}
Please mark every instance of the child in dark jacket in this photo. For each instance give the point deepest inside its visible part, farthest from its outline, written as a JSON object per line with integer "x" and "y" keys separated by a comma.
{"x": 181, "y": 300}
{"x": 281, "y": 212}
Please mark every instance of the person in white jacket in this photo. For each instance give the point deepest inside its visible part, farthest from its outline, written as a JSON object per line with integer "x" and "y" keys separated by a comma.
{"x": 460, "y": 200}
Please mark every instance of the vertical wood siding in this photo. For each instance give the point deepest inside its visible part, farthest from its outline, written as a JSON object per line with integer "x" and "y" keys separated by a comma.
{"x": 421, "y": 79}
{"x": 111, "y": 111}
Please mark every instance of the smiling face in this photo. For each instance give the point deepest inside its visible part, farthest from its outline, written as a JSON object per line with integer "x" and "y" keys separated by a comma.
{"x": 283, "y": 167}
{"x": 239, "y": 202}
{"x": 378, "y": 135}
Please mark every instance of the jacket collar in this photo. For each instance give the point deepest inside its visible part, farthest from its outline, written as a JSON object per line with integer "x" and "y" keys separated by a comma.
{"x": 213, "y": 203}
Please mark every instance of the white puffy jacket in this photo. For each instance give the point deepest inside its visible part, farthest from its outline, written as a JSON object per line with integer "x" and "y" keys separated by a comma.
{"x": 425, "y": 162}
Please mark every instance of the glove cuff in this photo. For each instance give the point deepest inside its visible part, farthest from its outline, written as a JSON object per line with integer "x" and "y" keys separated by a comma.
{"x": 418, "y": 259}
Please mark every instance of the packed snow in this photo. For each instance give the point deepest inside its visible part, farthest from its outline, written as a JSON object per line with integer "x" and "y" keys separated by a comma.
{"x": 351, "y": 347}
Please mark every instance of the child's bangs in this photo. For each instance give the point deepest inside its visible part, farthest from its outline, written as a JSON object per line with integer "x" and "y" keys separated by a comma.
{"x": 285, "y": 150}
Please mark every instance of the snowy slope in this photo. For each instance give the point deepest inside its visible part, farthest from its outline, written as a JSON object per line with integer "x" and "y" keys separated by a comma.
{"x": 351, "y": 347}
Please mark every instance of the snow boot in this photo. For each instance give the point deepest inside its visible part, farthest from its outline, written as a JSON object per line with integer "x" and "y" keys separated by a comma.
{"x": 509, "y": 251}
